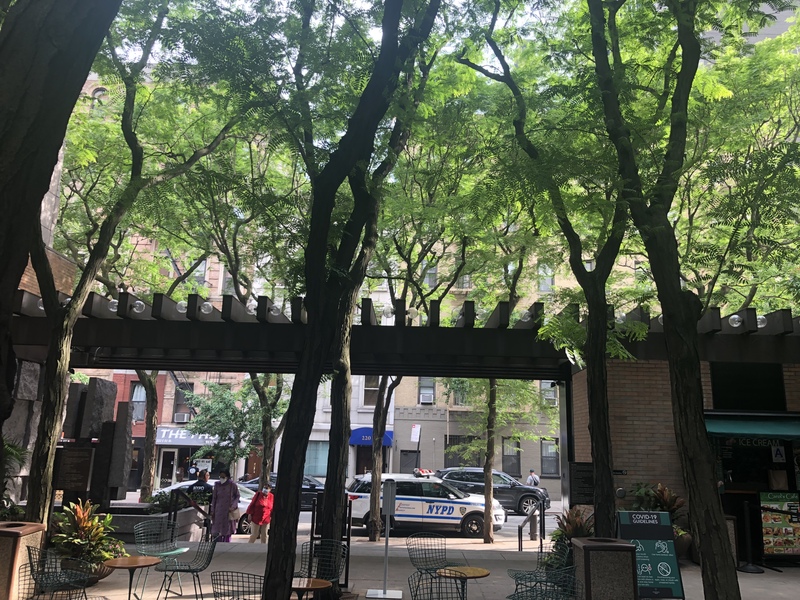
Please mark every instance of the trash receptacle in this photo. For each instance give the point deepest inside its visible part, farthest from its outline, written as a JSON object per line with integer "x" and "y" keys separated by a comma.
{"x": 15, "y": 537}
{"x": 606, "y": 567}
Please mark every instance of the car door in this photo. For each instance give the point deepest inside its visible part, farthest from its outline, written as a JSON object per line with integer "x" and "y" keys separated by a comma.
{"x": 408, "y": 503}
{"x": 438, "y": 509}
{"x": 503, "y": 490}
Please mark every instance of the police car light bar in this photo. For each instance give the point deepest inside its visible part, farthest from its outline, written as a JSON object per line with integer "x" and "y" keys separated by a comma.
{"x": 423, "y": 472}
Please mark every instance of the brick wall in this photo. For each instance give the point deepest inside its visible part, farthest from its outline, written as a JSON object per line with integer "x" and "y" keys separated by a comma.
{"x": 125, "y": 381}
{"x": 64, "y": 271}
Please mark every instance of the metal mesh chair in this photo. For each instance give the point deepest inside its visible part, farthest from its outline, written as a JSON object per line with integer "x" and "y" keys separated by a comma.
{"x": 232, "y": 585}
{"x": 199, "y": 563}
{"x": 426, "y": 586}
{"x": 565, "y": 587}
{"x": 546, "y": 566}
{"x": 47, "y": 574}
{"x": 156, "y": 537}
{"x": 322, "y": 559}
{"x": 428, "y": 552}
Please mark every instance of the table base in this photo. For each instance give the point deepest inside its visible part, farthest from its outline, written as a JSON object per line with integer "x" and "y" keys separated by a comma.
{"x": 397, "y": 594}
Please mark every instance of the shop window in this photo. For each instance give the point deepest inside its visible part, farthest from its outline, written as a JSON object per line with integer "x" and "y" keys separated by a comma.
{"x": 427, "y": 390}
{"x": 748, "y": 386}
{"x": 138, "y": 400}
{"x": 371, "y": 383}
{"x": 550, "y": 459}
{"x": 316, "y": 459}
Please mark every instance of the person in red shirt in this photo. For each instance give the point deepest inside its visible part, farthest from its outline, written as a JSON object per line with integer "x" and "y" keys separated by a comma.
{"x": 259, "y": 512}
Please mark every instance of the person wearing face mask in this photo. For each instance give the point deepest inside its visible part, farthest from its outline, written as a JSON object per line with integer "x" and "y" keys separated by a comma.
{"x": 260, "y": 512}
{"x": 224, "y": 507}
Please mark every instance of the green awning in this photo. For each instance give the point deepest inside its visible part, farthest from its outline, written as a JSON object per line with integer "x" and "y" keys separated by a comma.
{"x": 781, "y": 428}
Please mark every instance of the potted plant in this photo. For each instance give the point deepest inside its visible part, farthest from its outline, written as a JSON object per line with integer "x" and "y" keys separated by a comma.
{"x": 662, "y": 499}
{"x": 81, "y": 533}
{"x": 572, "y": 523}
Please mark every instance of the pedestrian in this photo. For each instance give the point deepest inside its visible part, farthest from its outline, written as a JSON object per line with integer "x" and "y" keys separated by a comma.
{"x": 259, "y": 512}
{"x": 193, "y": 471}
{"x": 533, "y": 479}
{"x": 201, "y": 489}
{"x": 224, "y": 507}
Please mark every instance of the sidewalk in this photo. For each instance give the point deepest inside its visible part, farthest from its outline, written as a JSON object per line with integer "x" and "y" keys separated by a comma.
{"x": 366, "y": 571}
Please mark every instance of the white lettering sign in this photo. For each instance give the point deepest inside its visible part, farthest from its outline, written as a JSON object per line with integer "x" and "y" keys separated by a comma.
{"x": 416, "y": 430}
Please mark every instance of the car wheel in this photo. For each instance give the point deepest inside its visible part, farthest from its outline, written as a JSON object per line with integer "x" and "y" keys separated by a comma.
{"x": 472, "y": 526}
{"x": 244, "y": 526}
{"x": 527, "y": 504}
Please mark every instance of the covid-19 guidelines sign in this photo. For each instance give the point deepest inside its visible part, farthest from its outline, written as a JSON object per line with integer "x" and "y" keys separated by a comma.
{"x": 657, "y": 569}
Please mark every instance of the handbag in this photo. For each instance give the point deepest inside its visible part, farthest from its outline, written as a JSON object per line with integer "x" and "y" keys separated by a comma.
{"x": 234, "y": 514}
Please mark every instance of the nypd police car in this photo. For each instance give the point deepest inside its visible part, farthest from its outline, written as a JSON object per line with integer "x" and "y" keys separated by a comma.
{"x": 426, "y": 503}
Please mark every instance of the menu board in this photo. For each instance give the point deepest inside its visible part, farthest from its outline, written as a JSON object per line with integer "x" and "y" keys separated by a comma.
{"x": 780, "y": 532}
{"x": 657, "y": 572}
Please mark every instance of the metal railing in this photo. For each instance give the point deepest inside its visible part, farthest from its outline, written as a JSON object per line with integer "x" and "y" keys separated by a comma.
{"x": 536, "y": 512}
{"x": 174, "y": 506}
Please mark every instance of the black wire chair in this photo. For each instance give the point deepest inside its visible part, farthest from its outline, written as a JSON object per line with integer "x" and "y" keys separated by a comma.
{"x": 47, "y": 574}
{"x": 199, "y": 563}
{"x": 427, "y": 586}
{"x": 550, "y": 565}
{"x": 566, "y": 587}
{"x": 156, "y": 537}
{"x": 428, "y": 552}
{"x": 232, "y": 585}
{"x": 322, "y": 559}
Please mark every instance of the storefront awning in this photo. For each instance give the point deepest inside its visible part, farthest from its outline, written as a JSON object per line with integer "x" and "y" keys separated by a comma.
{"x": 178, "y": 436}
{"x": 362, "y": 436}
{"x": 772, "y": 427}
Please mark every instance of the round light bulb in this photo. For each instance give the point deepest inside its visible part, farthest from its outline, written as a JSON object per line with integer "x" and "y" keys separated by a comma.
{"x": 660, "y": 319}
{"x": 40, "y": 304}
{"x": 412, "y": 313}
{"x": 761, "y": 321}
{"x": 251, "y": 307}
{"x": 138, "y": 307}
{"x": 735, "y": 321}
{"x": 620, "y": 318}
{"x": 182, "y": 307}
{"x": 526, "y": 316}
{"x": 274, "y": 310}
{"x": 113, "y": 305}
{"x": 206, "y": 308}
{"x": 388, "y": 311}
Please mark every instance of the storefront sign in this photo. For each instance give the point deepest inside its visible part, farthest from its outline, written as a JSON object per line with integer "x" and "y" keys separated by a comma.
{"x": 177, "y": 436}
{"x": 780, "y": 532}
{"x": 657, "y": 570}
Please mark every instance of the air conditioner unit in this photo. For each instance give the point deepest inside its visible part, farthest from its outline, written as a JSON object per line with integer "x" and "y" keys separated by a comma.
{"x": 181, "y": 417}
{"x": 426, "y": 398}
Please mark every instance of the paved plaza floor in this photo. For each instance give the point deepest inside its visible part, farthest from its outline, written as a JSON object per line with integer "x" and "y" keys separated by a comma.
{"x": 366, "y": 571}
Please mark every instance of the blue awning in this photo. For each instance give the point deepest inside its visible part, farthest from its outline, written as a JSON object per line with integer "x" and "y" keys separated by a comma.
{"x": 363, "y": 437}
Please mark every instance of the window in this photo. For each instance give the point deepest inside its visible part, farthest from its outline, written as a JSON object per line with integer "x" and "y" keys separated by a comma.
{"x": 511, "y": 456}
{"x": 431, "y": 489}
{"x": 549, "y": 392}
{"x": 227, "y": 283}
{"x": 458, "y": 458}
{"x": 371, "y": 383}
{"x": 316, "y": 459}
{"x": 180, "y": 392}
{"x": 589, "y": 264}
{"x": 430, "y": 276}
{"x": 138, "y": 398}
{"x": 427, "y": 390}
{"x": 464, "y": 282}
{"x": 408, "y": 488}
{"x": 550, "y": 461}
{"x": 546, "y": 279}
{"x": 460, "y": 397}
{"x": 199, "y": 274}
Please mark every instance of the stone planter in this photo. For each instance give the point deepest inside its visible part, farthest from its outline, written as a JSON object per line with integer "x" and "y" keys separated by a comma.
{"x": 99, "y": 571}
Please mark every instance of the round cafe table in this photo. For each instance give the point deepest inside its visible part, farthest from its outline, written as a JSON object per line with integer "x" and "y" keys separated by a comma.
{"x": 132, "y": 563}
{"x": 302, "y": 585}
{"x": 462, "y": 574}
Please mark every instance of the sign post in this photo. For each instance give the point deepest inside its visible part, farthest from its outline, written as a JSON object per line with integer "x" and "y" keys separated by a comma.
{"x": 416, "y": 430}
{"x": 389, "y": 496}
{"x": 657, "y": 569}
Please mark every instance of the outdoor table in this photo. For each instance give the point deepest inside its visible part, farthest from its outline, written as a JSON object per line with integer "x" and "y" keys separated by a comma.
{"x": 301, "y": 585}
{"x": 132, "y": 563}
{"x": 462, "y": 574}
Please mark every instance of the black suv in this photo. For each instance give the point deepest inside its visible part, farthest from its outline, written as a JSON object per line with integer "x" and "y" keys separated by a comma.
{"x": 509, "y": 492}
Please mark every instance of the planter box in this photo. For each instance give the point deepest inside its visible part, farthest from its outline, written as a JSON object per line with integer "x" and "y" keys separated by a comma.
{"x": 189, "y": 525}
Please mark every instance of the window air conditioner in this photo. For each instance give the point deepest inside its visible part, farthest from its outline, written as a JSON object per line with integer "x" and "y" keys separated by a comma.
{"x": 426, "y": 398}
{"x": 181, "y": 417}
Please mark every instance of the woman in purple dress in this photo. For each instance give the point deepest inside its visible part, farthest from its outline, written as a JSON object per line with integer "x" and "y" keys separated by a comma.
{"x": 224, "y": 500}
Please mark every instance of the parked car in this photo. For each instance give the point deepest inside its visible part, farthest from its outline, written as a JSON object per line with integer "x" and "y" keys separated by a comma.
{"x": 428, "y": 503}
{"x": 311, "y": 487}
{"x": 245, "y": 496}
{"x": 512, "y": 494}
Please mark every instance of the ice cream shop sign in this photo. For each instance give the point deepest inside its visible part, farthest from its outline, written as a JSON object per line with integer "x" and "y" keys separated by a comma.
{"x": 177, "y": 436}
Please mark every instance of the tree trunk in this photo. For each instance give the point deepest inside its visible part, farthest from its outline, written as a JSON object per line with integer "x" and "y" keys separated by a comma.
{"x": 379, "y": 418}
{"x": 46, "y": 50}
{"x": 150, "y": 427}
{"x": 599, "y": 426}
{"x": 488, "y": 464}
